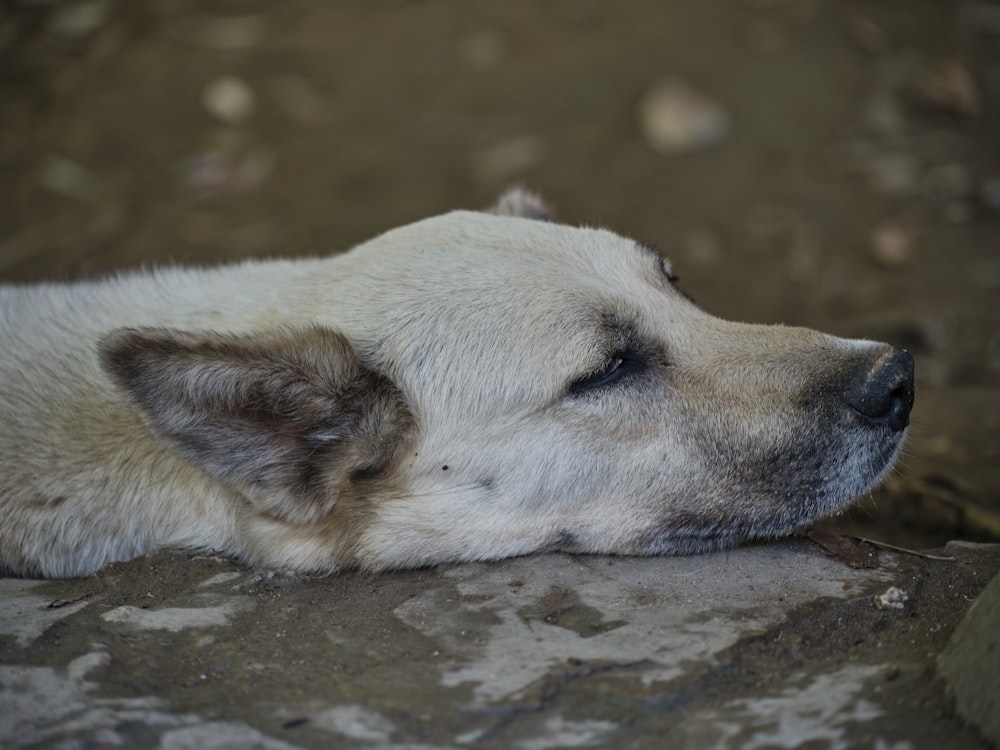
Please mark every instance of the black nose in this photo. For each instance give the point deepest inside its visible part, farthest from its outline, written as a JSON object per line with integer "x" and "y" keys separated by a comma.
{"x": 884, "y": 392}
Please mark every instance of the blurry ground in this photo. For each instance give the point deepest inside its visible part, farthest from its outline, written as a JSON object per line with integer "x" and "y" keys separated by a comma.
{"x": 835, "y": 165}
{"x": 830, "y": 164}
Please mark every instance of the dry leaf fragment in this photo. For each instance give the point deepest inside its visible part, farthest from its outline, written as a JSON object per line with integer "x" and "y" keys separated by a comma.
{"x": 851, "y": 550}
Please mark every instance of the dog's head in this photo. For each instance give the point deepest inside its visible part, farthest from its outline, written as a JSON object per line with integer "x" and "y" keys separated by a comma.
{"x": 481, "y": 385}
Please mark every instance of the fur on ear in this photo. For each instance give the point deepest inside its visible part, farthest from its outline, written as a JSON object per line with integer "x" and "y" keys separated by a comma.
{"x": 523, "y": 204}
{"x": 290, "y": 418}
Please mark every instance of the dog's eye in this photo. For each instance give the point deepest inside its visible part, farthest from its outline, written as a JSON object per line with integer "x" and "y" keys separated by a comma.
{"x": 617, "y": 366}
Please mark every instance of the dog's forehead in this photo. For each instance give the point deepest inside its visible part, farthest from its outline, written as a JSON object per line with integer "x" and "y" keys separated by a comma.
{"x": 504, "y": 273}
{"x": 478, "y": 246}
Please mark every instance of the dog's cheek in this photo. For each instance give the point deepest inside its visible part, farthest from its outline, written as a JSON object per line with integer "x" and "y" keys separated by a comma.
{"x": 331, "y": 543}
{"x": 768, "y": 468}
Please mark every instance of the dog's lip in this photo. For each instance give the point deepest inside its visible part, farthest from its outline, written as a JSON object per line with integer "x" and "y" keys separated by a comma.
{"x": 680, "y": 533}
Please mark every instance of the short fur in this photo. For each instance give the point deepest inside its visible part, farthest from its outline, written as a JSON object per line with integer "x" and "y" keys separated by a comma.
{"x": 468, "y": 387}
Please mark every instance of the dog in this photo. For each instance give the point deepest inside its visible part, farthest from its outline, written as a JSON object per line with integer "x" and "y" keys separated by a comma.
{"x": 472, "y": 386}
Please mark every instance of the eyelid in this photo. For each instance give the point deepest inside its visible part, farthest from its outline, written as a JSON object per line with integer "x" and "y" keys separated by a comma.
{"x": 606, "y": 373}
{"x": 619, "y": 365}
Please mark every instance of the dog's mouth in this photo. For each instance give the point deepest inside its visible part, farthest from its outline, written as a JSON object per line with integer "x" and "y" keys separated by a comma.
{"x": 777, "y": 505}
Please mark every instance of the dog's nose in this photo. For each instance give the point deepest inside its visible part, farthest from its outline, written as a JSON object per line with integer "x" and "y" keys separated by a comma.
{"x": 883, "y": 394}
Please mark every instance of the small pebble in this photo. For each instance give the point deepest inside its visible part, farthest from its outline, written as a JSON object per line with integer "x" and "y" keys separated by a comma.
{"x": 221, "y": 171}
{"x": 510, "y": 158}
{"x": 950, "y": 87}
{"x": 894, "y": 173}
{"x": 990, "y": 193}
{"x": 229, "y": 99}
{"x": 891, "y": 246}
{"x": 892, "y": 598}
{"x": 883, "y": 114}
{"x": 675, "y": 118}
{"x": 81, "y": 666}
{"x": 68, "y": 178}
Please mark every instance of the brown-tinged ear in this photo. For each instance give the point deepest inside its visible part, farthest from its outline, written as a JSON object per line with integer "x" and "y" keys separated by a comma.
{"x": 522, "y": 203}
{"x": 290, "y": 418}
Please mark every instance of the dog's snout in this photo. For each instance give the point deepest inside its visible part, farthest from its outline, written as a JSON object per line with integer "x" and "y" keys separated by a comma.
{"x": 883, "y": 394}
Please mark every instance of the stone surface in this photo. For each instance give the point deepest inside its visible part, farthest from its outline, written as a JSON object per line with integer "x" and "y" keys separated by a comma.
{"x": 971, "y": 663}
{"x": 777, "y": 645}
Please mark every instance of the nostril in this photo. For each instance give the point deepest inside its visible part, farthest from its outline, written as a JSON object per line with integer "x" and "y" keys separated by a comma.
{"x": 884, "y": 395}
{"x": 898, "y": 414}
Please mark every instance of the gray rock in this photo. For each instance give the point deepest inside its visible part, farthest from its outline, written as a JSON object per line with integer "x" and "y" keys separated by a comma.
{"x": 229, "y": 99}
{"x": 971, "y": 663}
{"x": 676, "y": 118}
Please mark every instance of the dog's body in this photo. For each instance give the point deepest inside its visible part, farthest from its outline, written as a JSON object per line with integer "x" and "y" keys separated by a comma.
{"x": 472, "y": 386}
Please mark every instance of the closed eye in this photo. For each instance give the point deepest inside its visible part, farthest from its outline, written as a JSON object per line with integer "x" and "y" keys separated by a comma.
{"x": 617, "y": 367}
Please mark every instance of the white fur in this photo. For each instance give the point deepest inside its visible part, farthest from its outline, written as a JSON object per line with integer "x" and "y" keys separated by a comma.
{"x": 481, "y": 322}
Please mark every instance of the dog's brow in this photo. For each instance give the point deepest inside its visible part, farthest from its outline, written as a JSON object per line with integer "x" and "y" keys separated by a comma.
{"x": 622, "y": 333}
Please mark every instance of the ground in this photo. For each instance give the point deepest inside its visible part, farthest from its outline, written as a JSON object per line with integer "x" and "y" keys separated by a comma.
{"x": 775, "y": 646}
{"x": 834, "y": 165}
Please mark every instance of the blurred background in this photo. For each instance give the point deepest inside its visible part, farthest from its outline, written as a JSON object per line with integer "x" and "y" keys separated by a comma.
{"x": 818, "y": 163}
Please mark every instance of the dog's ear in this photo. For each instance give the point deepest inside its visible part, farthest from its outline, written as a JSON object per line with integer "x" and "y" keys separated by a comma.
{"x": 522, "y": 203}
{"x": 290, "y": 418}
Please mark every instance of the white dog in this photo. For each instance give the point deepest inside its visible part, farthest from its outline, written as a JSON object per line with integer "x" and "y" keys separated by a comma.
{"x": 469, "y": 387}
